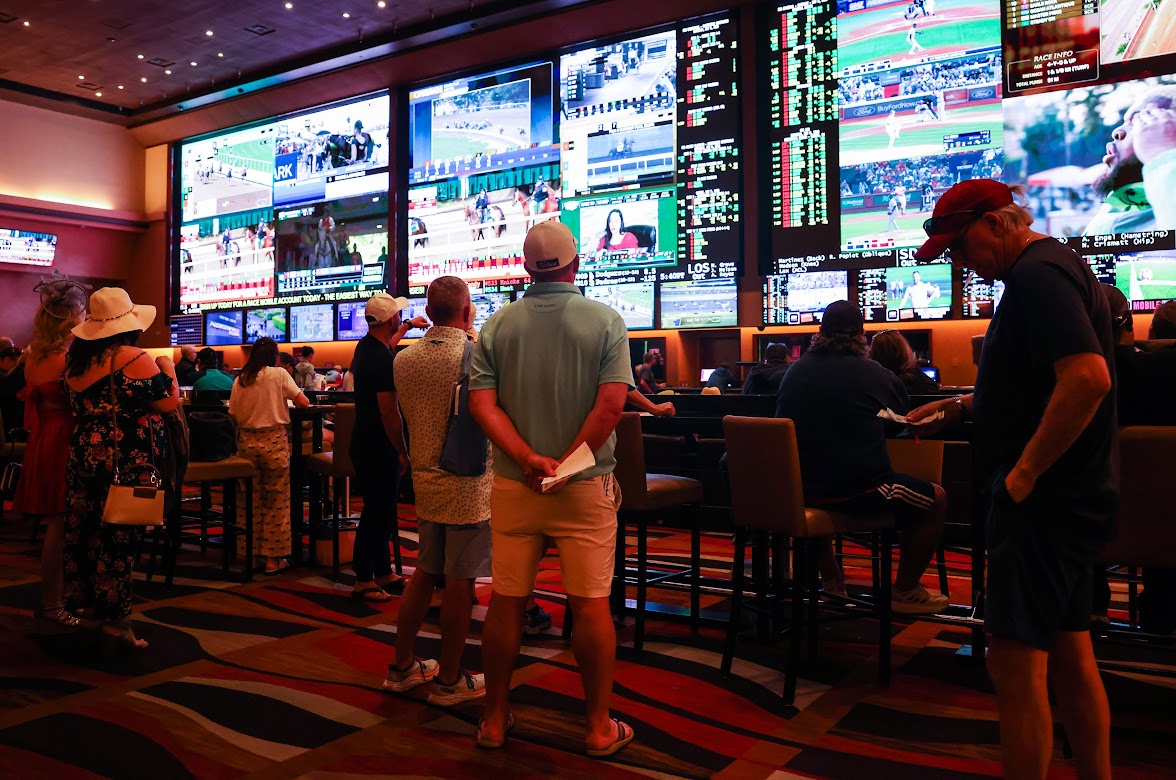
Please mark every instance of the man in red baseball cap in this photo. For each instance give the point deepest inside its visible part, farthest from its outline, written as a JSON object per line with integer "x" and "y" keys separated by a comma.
{"x": 1046, "y": 436}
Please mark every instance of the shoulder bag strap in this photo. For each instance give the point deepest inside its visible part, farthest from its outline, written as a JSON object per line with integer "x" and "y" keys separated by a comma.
{"x": 114, "y": 419}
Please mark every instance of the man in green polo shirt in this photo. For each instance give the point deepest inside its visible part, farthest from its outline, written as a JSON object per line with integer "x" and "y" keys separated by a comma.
{"x": 210, "y": 377}
{"x": 551, "y": 373}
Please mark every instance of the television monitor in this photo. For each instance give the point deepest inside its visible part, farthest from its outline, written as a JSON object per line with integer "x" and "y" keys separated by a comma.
{"x": 633, "y": 301}
{"x": 22, "y": 247}
{"x": 921, "y": 292}
{"x": 252, "y": 222}
{"x": 800, "y": 298}
{"x": 650, "y": 132}
{"x": 487, "y": 304}
{"x": 416, "y": 308}
{"x": 483, "y": 167}
{"x": 186, "y": 330}
{"x": 350, "y": 322}
{"x": 266, "y": 323}
{"x": 224, "y": 328}
{"x": 314, "y": 322}
{"x": 931, "y": 372}
{"x": 712, "y": 303}
{"x": 705, "y": 374}
{"x": 1147, "y": 278}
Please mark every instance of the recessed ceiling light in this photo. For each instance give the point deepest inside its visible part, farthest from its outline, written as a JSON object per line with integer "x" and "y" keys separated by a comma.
{"x": 144, "y": 79}
{"x": 346, "y": 15}
{"x": 193, "y": 64}
{"x": 220, "y": 54}
{"x": 208, "y": 32}
{"x": 381, "y": 4}
{"x": 289, "y": 6}
{"x": 168, "y": 72}
{"x": 81, "y": 78}
{"x": 120, "y": 86}
{"x": 140, "y": 56}
{"x": 98, "y": 94}
{"x": 26, "y": 24}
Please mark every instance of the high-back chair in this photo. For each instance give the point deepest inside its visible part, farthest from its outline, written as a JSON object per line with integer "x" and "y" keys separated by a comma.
{"x": 1145, "y": 530}
{"x": 922, "y": 458}
{"x": 650, "y": 497}
{"x": 763, "y": 462}
{"x": 335, "y": 470}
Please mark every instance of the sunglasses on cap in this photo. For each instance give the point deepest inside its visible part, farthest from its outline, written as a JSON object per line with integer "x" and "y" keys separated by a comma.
{"x": 952, "y": 222}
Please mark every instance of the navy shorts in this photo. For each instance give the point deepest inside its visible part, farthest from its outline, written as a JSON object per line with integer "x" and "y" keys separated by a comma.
{"x": 908, "y": 498}
{"x": 1040, "y": 576}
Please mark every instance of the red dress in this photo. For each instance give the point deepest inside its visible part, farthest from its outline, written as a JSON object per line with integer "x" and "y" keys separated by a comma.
{"x": 41, "y": 489}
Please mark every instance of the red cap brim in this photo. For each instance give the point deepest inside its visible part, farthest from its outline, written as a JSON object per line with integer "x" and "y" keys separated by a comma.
{"x": 934, "y": 246}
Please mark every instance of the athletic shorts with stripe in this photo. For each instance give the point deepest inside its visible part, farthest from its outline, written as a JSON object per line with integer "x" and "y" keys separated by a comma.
{"x": 907, "y": 498}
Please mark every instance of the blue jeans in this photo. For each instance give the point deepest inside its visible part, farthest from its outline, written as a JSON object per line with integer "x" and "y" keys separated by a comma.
{"x": 377, "y": 477}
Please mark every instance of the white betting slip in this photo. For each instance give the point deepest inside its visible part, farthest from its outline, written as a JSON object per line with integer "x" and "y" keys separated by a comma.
{"x": 581, "y": 459}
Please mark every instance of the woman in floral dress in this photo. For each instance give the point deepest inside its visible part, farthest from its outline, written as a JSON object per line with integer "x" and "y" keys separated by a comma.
{"x": 117, "y": 394}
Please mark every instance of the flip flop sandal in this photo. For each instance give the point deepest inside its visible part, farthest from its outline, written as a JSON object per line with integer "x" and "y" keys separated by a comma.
{"x": 486, "y": 744}
{"x": 625, "y": 735}
{"x": 370, "y": 595}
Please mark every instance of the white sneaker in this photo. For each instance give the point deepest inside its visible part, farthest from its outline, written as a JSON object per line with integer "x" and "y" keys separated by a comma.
{"x": 467, "y": 688}
{"x": 918, "y": 601}
{"x": 418, "y": 673}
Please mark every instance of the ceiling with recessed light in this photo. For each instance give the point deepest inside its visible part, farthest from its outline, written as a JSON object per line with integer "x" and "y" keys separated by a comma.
{"x": 126, "y": 57}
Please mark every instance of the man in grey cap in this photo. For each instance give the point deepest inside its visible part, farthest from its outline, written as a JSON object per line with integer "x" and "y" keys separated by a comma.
{"x": 550, "y": 374}
{"x": 833, "y": 394}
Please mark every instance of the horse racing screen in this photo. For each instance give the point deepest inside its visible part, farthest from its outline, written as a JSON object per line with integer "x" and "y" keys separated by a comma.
{"x": 291, "y": 210}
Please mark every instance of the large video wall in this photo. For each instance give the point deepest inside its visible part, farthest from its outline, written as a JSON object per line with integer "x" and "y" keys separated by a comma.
{"x": 633, "y": 143}
{"x": 868, "y": 111}
{"x": 876, "y": 107}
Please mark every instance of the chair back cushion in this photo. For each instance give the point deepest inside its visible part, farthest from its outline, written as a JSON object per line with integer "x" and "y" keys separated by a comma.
{"x": 630, "y": 455}
{"x": 917, "y": 458}
{"x": 1145, "y": 533}
{"x": 763, "y": 465}
{"x": 344, "y": 428}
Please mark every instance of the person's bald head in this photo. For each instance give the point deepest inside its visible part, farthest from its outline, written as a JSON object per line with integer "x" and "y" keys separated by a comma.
{"x": 6, "y": 343}
{"x": 448, "y": 302}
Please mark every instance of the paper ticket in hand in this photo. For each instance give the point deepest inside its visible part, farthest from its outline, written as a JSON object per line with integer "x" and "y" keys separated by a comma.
{"x": 887, "y": 414}
{"x": 581, "y": 459}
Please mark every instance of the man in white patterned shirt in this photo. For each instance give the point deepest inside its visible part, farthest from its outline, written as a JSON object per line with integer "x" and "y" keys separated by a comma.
{"x": 453, "y": 512}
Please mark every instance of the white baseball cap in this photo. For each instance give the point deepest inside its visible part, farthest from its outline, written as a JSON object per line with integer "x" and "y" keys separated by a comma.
{"x": 383, "y": 307}
{"x": 549, "y": 246}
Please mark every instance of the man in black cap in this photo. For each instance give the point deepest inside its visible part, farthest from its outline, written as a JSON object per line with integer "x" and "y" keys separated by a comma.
{"x": 833, "y": 394}
{"x": 1046, "y": 436}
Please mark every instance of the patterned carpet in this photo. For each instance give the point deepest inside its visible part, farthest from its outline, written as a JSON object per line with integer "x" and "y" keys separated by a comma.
{"x": 280, "y": 679}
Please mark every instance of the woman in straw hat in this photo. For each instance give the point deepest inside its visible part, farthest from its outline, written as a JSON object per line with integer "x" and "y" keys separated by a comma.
{"x": 117, "y": 394}
{"x": 41, "y": 490}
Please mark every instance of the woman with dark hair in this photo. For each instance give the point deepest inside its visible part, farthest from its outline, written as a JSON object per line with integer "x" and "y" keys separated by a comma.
{"x": 117, "y": 395}
{"x": 258, "y": 404}
{"x": 615, "y": 236}
{"x": 892, "y": 351}
{"x": 41, "y": 489}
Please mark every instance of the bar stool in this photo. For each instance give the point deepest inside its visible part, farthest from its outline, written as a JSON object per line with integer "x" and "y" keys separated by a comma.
{"x": 335, "y": 470}
{"x": 1145, "y": 534}
{"x": 226, "y": 473}
{"x": 766, "y": 495}
{"x": 646, "y": 497}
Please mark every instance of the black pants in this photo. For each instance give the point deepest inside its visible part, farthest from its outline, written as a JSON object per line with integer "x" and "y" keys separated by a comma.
{"x": 377, "y": 476}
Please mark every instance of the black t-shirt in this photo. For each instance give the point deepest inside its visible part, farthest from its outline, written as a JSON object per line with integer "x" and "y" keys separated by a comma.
{"x": 765, "y": 378}
{"x": 372, "y": 367}
{"x": 645, "y": 373}
{"x": 1147, "y": 384}
{"x": 834, "y": 401}
{"x": 1052, "y": 308}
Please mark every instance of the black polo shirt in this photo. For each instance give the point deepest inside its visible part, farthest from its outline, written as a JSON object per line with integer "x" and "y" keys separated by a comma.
{"x": 1053, "y": 307}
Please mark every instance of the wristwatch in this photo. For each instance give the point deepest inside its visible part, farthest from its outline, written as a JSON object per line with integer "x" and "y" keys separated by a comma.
{"x": 959, "y": 401}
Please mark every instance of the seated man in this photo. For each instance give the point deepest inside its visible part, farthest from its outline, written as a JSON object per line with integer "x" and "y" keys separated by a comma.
{"x": 833, "y": 394}
{"x": 1146, "y": 382}
{"x": 646, "y": 382}
{"x": 209, "y": 375}
{"x": 765, "y": 378}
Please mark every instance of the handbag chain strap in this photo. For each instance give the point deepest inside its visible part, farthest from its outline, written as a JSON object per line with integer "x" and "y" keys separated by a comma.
{"x": 114, "y": 417}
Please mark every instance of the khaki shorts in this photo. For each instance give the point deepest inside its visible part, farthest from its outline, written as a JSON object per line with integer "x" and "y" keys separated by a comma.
{"x": 582, "y": 521}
